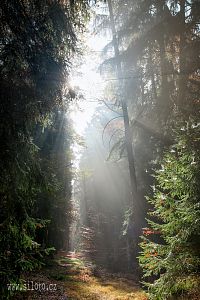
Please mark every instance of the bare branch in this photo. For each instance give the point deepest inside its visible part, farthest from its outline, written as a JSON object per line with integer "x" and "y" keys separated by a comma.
{"x": 107, "y": 126}
{"x": 108, "y": 106}
{"x": 114, "y": 135}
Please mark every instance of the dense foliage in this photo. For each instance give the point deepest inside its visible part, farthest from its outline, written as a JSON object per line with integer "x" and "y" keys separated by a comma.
{"x": 38, "y": 40}
{"x": 175, "y": 218}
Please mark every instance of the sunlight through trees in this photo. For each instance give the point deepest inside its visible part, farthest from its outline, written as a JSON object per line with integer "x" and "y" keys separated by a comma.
{"x": 99, "y": 178}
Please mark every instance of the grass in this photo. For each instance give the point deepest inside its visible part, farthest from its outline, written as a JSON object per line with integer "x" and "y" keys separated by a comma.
{"x": 76, "y": 281}
{"x": 112, "y": 290}
{"x": 84, "y": 286}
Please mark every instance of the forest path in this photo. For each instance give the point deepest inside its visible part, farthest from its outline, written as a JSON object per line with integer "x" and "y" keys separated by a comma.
{"x": 75, "y": 280}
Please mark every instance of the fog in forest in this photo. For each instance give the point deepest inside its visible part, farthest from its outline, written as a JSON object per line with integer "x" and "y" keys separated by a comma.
{"x": 100, "y": 149}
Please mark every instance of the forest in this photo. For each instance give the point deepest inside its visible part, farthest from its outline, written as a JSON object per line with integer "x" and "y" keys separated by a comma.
{"x": 100, "y": 149}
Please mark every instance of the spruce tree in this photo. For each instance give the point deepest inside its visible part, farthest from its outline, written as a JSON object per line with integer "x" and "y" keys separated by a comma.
{"x": 170, "y": 246}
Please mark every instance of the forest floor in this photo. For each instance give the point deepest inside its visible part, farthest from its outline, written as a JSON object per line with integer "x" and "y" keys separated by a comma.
{"x": 69, "y": 278}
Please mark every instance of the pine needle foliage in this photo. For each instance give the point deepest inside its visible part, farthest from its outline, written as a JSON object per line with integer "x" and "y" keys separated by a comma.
{"x": 170, "y": 246}
{"x": 38, "y": 41}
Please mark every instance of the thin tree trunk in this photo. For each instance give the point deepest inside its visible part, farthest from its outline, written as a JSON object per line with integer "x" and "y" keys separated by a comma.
{"x": 164, "y": 105}
{"x": 137, "y": 210}
{"x": 182, "y": 76}
{"x": 154, "y": 91}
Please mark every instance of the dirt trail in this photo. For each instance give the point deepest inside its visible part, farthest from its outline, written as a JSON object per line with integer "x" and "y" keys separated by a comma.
{"x": 107, "y": 290}
{"x": 69, "y": 278}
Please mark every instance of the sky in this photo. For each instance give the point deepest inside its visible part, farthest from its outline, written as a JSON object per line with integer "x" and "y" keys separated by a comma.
{"x": 88, "y": 80}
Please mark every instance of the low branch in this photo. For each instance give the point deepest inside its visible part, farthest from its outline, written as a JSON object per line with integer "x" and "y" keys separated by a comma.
{"x": 108, "y": 124}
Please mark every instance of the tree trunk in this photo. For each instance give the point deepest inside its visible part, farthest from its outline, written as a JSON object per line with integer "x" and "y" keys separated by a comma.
{"x": 182, "y": 75}
{"x": 164, "y": 95}
{"x": 136, "y": 205}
